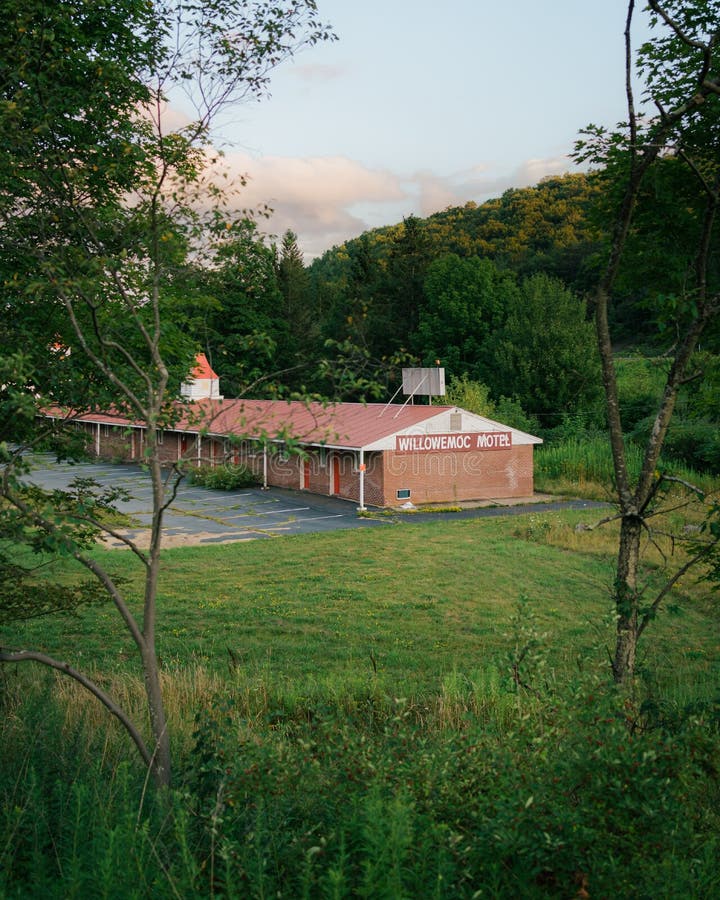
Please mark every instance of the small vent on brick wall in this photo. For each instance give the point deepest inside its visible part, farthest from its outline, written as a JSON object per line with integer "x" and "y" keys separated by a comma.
{"x": 403, "y": 494}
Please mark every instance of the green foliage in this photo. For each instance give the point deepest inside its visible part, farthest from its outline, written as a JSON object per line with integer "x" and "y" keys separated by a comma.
{"x": 527, "y": 655}
{"x": 543, "y": 228}
{"x": 701, "y": 396}
{"x": 470, "y": 395}
{"x": 67, "y": 828}
{"x": 475, "y": 397}
{"x": 580, "y": 463}
{"x": 651, "y": 298}
{"x": 107, "y": 213}
{"x": 696, "y": 444}
{"x": 23, "y": 596}
{"x": 545, "y": 354}
{"x": 509, "y": 411}
{"x": 579, "y": 460}
{"x": 464, "y": 302}
{"x": 18, "y": 405}
{"x": 692, "y": 439}
{"x": 350, "y": 745}
{"x": 708, "y": 542}
{"x": 61, "y": 524}
{"x": 226, "y": 477}
{"x": 296, "y": 311}
{"x": 382, "y": 805}
{"x": 385, "y": 803}
{"x": 640, "y": 383}
{"x": 440, "y": 287}
{"x": 238, "y": 316}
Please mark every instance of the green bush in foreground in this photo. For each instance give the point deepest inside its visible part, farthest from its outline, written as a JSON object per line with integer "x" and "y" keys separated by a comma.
{"x": 382, "y": 807}
{"x": 581, "y": 793}
{"x": 227, "y": 477}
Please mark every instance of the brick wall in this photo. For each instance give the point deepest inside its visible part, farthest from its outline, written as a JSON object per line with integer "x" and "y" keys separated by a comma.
{"x": 449, "y": 477}
{"x": 374, "y": 480}
{"x": 284, "y": 471}
{"x": 431, "y": 477}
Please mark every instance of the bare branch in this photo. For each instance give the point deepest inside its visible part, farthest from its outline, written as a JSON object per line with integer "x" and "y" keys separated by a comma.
{"x": 606, "y": 521}
{"x": 669, "y": 585}
{"x": 688, "y": 484}
{"x": 688, "y": 379}
{"x": 177, "y": 477}
{"x": 632, "y": 116}
{"x": 18, "y": 656}
{"x": 116, "y": 535}
{"x": 651, "y": 538}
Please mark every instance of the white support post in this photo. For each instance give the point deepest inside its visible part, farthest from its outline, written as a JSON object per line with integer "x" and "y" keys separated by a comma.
{"x": 361, "y": 470}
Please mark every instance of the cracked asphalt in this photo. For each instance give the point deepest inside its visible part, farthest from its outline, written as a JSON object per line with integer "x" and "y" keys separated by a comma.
{"x": 200, "y": 515}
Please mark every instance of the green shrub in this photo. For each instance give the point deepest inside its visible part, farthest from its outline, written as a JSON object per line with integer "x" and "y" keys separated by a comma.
{"x": 227, "y": 477}
{"x": 583, "y": 793}
{"x": 583, "y": 459}
{"x": 581, "y": 797}
{"x": 695, "y": 443}
{"x": 640, "y": 385}
{"x": 510, "y": 412}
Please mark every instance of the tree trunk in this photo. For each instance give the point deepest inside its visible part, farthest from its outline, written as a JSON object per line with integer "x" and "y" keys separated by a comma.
{"x": 151, "y": 666}
{"x": 161, "y": 758}
{"x": 626, "y": 599}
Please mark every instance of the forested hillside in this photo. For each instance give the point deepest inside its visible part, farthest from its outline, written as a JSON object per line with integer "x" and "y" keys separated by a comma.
{"x": 496, "y": 292}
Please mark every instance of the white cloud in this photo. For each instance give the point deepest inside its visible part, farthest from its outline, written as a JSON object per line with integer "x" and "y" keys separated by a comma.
{"x": 317, "y": 72}
{"x": 327, "y": 200}
{"x": 315, "y": 197}
{"x": 481, "y": 183}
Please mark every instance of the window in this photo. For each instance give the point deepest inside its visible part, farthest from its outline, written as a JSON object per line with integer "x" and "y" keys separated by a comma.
{"x": 403, "y": 494}
{"x": 455, "y": 421}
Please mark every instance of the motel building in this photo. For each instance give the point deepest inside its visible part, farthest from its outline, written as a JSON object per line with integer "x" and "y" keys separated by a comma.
{"x": 376, "y": 454}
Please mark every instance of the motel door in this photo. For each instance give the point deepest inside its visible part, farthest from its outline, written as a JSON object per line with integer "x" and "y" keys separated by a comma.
{"x": 306, "y": 474}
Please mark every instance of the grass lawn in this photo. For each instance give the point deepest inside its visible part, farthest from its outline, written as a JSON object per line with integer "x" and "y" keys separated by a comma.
{"x": 411, "y": 602}
{"x": 345, "y": 724}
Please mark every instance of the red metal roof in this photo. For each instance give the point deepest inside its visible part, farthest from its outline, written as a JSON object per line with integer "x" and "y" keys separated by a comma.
{"x": 348, "y": 425}
{"x": 351, "y": 425}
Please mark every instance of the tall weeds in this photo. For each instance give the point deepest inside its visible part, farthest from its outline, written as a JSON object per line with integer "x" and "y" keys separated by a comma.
{"x": 582, "y": 465}
{"x": 536, "y": 787}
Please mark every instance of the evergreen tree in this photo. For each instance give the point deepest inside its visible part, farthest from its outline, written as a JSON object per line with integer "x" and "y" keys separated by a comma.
{"x": 301, "y": 325}
{"x": 545, "y": 356}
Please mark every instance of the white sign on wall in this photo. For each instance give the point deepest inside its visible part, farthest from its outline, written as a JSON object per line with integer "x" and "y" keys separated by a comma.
{"x": 429, "y": 443}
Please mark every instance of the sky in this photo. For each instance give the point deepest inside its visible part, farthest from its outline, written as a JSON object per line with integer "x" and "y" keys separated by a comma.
{"x": 421, "y": 105}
